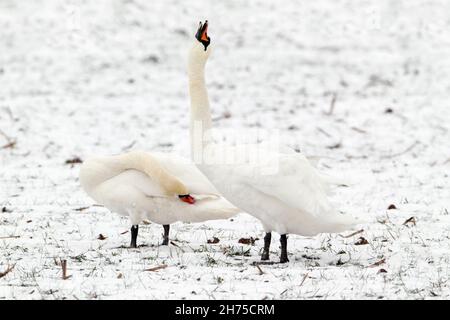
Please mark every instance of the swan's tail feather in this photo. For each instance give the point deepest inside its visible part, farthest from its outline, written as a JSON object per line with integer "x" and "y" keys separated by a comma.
{"x": 338, "y": 223}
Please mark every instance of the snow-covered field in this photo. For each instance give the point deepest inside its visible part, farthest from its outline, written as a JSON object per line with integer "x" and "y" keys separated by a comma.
{"x": 364, "y": 85}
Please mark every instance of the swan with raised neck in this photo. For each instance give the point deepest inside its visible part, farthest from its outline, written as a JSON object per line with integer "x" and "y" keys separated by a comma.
{"x": 291, "y": 200}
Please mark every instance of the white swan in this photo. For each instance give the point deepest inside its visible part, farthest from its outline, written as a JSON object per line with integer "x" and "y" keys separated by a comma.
{"x": 155, "y": 186}
{"x": 291, "y": 200}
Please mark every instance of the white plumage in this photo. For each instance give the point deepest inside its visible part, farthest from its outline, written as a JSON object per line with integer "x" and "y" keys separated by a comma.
{"x": 291, "y": 199}
{"x": 145, "y": 185}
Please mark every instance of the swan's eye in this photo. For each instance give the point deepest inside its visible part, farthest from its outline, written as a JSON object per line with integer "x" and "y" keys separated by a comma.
{"x": 202, "y": 34}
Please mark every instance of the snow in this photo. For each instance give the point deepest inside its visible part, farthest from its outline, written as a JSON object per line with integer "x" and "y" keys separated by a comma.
{"x": 83, "y": 77}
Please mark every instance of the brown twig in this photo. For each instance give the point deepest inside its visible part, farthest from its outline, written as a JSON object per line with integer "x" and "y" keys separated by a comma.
{"x": 81, "y": 209}
{"x": 358, "y": 130}
{"x": 163, "y": 266}
{"x": 10, "y": 237}
{"x": 9, "y": 145}
{"x": 378, "y": 263}
{"x": 304, "y": 278}
{"x": 353, "y": 234}
{"x": 174, "y": 244}
{"x": 8, "y": 270}
{"x": 64, "y": 269}
{"x": 10, "y": 142}
{"x": 410, "y": 220}
{"x": 259, "y": 269}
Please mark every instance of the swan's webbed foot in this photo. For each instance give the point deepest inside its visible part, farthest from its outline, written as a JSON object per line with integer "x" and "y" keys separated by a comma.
{"x": 166, "y": 235}
{"x": 134, "y": 234}
{"x": 284, "y": 255}
{"x": 267, "y": 239}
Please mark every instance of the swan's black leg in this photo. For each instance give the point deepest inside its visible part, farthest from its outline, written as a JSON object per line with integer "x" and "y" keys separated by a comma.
{"x": 134, "y": 234}
{"x": 284, "y": 255}
{"x": 267, "y": 239}
{"x": 166, "y": 235}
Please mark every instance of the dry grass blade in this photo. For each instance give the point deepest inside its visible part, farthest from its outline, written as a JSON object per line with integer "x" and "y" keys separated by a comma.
{"x": 353, "y": 234}
{"x": 163, "y": 266}
{"x": 412, "y": 146}
{"x": 8, "y": 270}
{"x": 176, "y": 245}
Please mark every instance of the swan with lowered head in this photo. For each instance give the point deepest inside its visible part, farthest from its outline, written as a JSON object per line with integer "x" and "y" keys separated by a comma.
{"x": 156, "y": 186}
{"x": 291, "y": 199}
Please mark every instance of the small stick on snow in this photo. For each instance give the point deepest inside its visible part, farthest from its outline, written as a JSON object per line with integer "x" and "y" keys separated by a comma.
{"x": 260, "y": 270}
{"x": 8, "y": 270}
{"x": 378, "y": 263}
{"x": 174, "y": 244}
{"x": 332, "y": 104}
{"x": 10, "y": 142}
{"x": 358, "y": 130}
{"x": 64, "y": 270}
{"x": 10, "y": 237}
{"x": 304, "y": 278}
{"x": 324, "y": 132}
{"x": 81, "y": 209}
{"x": 163, "y": 266}
{"x": 353, "y": 234}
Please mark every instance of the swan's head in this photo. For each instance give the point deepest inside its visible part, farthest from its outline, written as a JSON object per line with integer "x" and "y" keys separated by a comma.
{"x": 202, "y": 35}
{"x": 201, "y": 49}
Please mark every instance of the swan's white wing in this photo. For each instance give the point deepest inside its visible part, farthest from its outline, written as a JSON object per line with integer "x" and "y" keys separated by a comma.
{"x": 188, "y": 173}
{"x": 296, "y": 183}
{"x": 110, "y": 169}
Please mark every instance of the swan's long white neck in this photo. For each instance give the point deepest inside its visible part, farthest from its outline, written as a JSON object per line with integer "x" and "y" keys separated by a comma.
{"x": 200, "y": 118}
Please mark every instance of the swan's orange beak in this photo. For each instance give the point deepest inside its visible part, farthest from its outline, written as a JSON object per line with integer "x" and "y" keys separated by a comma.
{"x": 202, "y": 34}
{"x": 187, "y": 198}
